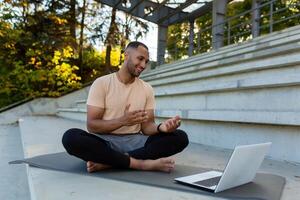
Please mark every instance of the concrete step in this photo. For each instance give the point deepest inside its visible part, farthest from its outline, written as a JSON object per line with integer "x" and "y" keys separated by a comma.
{"x": 42, "y": 135}
{"x": 76, "y": 113}
{"x": 13, "y": 181}
{"x": 81, "y": 103}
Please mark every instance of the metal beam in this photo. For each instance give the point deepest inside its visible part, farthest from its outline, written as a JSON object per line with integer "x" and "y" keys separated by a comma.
{"x": 196, "y": 13}
{"x": 156, "y": 8}
{"x": 115, "y": 6}
{"x": 177, "y": 10}
{"x": 138, "y": 11}
{"x": 135, "y": 5}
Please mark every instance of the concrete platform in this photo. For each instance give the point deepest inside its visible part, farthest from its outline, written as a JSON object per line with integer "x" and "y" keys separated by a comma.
{"x": 13, "y": 181}
{"x": 42, "y": 135}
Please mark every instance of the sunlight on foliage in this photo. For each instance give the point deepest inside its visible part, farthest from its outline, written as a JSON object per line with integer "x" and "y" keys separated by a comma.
{"x": 114, "y": 56}
{"x": 58, "y": 20}
{"x": 64, "y": 72}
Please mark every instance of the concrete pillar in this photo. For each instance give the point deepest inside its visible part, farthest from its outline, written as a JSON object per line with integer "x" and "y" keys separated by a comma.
{"x": 161, "y": 44}
{"x": 191, "y": 38}
{"x": 219, "y": 11}
{"x": 255, "y": 18}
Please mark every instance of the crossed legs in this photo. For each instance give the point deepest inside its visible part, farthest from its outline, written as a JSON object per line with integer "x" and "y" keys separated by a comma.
{"x": 155, "y": 155}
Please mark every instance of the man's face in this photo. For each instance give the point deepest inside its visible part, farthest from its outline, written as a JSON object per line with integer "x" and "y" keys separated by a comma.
{"x": 136, "y": 60}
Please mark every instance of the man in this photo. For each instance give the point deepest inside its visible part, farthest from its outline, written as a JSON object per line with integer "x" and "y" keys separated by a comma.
{"x": 120, "y": 119}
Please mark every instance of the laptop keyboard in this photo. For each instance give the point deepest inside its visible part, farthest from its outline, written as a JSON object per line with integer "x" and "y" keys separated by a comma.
{"x": 209, "y": 182}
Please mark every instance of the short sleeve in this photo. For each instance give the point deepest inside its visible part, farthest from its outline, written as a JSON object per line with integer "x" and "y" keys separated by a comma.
{"x": 97, "y": 92}
{"x": 150, "y": 104}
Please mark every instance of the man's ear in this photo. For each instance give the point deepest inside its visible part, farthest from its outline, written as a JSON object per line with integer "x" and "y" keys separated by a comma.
{"x": 126, "y": 55}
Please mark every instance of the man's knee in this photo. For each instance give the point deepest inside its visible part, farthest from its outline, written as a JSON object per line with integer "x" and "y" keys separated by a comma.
{"x": 182, "y": 138}
{"x": 69, "y": 139}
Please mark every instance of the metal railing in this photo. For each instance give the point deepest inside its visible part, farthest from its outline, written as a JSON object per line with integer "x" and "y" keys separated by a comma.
{"x": 236, "y": 31}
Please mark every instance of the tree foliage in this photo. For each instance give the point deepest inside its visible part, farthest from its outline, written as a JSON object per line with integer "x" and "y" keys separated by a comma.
{"x": 47, "y": 47}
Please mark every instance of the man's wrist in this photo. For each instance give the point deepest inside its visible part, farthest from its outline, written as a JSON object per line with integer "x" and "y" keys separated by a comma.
{"x": 122, "y": 121}
{"x": 158, "y": 130}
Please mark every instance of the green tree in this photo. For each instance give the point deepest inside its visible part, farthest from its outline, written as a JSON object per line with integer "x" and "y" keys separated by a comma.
{"x": 31, "y": 40}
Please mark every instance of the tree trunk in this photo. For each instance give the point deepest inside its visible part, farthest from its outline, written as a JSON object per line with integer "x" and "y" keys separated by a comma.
{"x": 125, "y": 36}
{"x": 81, "y": 37}
{"x": 72, "y": 20}
{"x": 110, "y": 39}
{"x": 25, "y": 12}
{"x": 107, "y": 58}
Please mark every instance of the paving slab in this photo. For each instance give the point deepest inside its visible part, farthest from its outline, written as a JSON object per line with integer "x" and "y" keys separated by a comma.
{"x": 13, "y": 181}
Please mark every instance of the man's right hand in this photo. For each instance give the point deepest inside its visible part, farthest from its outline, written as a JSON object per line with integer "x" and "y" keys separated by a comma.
{"x": 133, "y": 117}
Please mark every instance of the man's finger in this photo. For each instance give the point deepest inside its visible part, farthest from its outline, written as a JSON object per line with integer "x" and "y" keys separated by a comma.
{"x": 137, "y": 112}
{"x": 173, "y": 122}
{"x": 145, "y": 120}
{"x": 168, "y": 125}
{"x": 177, "y": 117}
{"x": 140, "y": 113}
{"x": 127, "y": 108}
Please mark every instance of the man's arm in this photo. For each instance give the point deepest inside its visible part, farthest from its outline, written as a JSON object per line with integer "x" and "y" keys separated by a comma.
{"x": 96, "y": 124}
{"x": 150, "y": 128}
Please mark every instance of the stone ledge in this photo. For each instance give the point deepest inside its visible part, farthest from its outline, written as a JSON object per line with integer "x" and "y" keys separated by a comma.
{"x": 77, "y": 110}
{"x": 241, "y": 84}
{"x": 273, "y": 117}
{"x": 291, "y": 118}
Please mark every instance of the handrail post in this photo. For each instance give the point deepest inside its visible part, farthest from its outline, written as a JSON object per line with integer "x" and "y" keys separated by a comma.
{"x": 219, "y": 11}
{"x": 228, "y": 33}
{"x": 191, "y": 38}
{"x": 255, "y": 18}
{"x": 271, "y": 16}
{"x": 199, "y": 41}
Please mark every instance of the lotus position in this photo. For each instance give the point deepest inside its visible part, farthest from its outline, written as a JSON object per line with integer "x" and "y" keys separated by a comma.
{"x": 121, "y": 131}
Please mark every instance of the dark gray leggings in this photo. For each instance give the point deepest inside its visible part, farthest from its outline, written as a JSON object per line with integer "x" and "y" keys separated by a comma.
{"x": 89, "y": 147}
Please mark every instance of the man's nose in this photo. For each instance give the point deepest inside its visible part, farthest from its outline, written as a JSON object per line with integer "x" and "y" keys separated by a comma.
{"x": 143, "y": 64}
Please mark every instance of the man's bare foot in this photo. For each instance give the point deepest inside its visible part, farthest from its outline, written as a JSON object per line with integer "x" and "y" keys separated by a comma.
{"x": 161, "y": 164}
{"x": 94, "y": 167}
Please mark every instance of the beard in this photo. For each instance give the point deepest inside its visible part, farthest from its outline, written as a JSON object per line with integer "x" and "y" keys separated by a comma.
{"x": 132, "y": 69}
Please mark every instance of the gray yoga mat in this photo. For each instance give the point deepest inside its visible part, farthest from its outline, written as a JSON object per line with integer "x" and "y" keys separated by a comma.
{"x": 264, "y": 186}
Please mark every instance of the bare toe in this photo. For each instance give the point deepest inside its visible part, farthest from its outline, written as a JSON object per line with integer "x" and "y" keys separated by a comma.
{"x": 94, "y": 167}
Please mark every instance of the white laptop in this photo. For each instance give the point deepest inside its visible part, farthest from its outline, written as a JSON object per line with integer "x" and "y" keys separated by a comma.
{"x": 240, "y": 169}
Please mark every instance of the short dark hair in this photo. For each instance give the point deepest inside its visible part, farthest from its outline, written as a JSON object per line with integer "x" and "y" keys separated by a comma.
{"x": 135, "y": 45}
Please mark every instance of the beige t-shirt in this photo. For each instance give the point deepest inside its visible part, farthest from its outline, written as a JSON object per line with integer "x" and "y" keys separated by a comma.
{"x": 111, "y": 94}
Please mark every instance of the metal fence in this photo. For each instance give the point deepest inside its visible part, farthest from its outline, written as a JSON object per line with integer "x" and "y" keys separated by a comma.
{"x": 240, "y": 28}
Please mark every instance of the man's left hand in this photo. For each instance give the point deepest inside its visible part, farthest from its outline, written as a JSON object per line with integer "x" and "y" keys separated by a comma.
{"x": 170, "y": 125}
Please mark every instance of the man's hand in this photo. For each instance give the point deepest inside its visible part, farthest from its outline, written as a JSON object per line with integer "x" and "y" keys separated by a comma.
{"x": 170, "y": 125}
{"x": 134, "y": 117}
